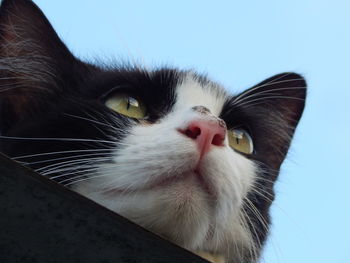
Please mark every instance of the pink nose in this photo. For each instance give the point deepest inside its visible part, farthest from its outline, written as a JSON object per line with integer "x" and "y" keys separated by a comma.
{"x": 206, "y": 133}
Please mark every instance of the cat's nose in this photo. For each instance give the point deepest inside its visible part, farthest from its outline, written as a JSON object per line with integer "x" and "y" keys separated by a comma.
{"x": 206, "y": 133}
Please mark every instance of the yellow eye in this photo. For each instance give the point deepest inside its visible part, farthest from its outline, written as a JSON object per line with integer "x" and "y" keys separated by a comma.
{"x": 240, "y": 141}
{"x": 126, "y": 105}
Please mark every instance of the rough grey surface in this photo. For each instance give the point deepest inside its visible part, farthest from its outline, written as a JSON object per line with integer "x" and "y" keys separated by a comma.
{"x": 41, "y": 221}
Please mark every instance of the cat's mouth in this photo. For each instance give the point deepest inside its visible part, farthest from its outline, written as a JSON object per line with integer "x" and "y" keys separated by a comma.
{"x": 162, "y": 182}
{"x": 199, "y": 178}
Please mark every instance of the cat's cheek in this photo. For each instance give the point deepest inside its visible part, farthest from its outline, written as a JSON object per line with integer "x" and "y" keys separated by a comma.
{"x": 232, "y": 176}
{"x": 224, "y": 164}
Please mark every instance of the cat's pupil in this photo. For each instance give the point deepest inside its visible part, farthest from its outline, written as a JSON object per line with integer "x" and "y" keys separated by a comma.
{"x": 128, "y": 104}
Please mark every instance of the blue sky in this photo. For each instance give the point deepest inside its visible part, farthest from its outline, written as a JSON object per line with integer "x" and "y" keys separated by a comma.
{"x": 239, "y": 43}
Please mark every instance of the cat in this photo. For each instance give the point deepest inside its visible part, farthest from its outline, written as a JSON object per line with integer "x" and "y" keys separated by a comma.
{"x": 169, "y": 149}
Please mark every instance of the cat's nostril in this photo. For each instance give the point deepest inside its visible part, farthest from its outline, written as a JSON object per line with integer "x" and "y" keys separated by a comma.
{"x": 218, "y": 139}
{"x": 192, "y": 132}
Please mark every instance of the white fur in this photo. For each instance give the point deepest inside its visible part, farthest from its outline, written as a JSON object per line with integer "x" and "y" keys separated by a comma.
{"x": 181, "y": 211}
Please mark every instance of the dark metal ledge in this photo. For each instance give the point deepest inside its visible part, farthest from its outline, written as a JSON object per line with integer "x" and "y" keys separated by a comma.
{"x": 41, "y": 221}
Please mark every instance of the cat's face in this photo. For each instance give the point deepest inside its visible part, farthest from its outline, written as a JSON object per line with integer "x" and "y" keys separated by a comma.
{"x": 187, "y": 187}
{"x": 168, "y": 149}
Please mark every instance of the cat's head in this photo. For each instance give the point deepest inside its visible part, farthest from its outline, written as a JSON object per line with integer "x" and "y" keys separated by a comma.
{"x": 169, "y": 149}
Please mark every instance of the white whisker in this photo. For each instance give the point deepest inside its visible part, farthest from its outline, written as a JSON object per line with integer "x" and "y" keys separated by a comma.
{"x": 55, "y": 139}
{"x": 271, "y": 82}
{"x": 264, "y": 92}
{"x": 68, "y": 157}
{"x": 71, "y": 163}
{"x": 59, "y": 152}
{"x": 268, "y": 97}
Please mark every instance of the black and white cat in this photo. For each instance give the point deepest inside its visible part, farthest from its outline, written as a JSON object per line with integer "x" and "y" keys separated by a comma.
{"x": 168, "y": 149}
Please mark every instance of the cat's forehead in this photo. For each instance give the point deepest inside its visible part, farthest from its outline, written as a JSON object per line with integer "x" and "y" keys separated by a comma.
{"x": 193, "y": 91}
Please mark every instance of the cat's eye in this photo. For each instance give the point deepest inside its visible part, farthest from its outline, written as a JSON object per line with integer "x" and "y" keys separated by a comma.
{"x": 127, "y": 105}
{"x": 241, "y": 141}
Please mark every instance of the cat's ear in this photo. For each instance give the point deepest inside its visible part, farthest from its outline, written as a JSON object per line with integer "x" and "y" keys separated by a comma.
{"x": 275, "y": 107}
{"x": 34, "y": 62}
{"x": 27, "y": 36}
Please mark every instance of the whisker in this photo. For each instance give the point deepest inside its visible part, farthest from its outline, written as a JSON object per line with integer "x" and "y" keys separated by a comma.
{"x": 67, "y": 157}
{"x": 268, "y": 97}
{"x": 257, "y": 214}
{"x": 253, "y": 250}
{"x": 84, "y": 179}
{"x": 264, "y": 92}
{"x": 94, "y": 121}
{"x": 271, "y": 82}
{"x": 82, "y": 169}
{"x": 73, "y": 166}
{"x": 59, "y": 152}
{"x": 74, "y": 178}
{"x": 244, "y": 225}
{"x": 55, "y": 139}
{"x": 256, "y": 191}
{"x": 72, "y": 162}
{"x": 75, "y": 171}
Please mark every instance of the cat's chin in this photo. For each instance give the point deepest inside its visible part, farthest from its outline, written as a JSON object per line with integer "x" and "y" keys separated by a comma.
{"x": 179, "y": 211}
{"x": 179, "y": 208}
